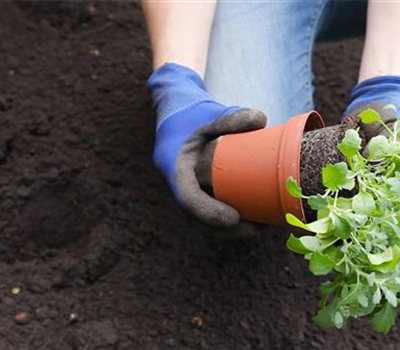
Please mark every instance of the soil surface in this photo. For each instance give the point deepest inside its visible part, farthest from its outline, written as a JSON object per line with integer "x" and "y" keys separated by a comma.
{"x": 93, "y": 250}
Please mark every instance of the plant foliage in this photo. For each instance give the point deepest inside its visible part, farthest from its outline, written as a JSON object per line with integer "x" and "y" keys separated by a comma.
{"x": 356, "y": 240}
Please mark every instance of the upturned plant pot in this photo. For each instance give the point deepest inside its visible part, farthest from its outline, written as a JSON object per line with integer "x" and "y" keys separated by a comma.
{"x": 250, "y": 170}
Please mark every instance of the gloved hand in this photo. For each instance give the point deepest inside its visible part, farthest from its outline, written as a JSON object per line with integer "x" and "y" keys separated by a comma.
{"x": 381, "y": 94}
{"x": 188, "y": 119}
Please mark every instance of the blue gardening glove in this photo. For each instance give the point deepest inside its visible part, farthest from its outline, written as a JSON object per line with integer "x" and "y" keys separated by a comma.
{"x": 381, "y": 94}
{"x": 189, "y": 119}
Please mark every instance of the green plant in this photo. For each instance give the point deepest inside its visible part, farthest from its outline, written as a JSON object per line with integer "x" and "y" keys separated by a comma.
{"x": 356, "y": 239}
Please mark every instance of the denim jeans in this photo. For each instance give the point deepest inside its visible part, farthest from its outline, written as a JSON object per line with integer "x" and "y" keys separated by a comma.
{"x": 260, "y": 51}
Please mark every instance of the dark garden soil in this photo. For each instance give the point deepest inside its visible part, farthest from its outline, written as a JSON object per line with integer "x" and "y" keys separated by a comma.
{"x": 89, "y": 232}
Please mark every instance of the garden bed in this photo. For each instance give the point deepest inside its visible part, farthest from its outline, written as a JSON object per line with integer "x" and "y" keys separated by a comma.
{"x": 88, "y": 229}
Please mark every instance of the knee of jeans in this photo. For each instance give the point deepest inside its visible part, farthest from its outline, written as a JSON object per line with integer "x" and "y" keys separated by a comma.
{"x": 278, "y": 107}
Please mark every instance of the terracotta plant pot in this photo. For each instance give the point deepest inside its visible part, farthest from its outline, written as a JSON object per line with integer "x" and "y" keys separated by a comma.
{"x": 250, "y": 170}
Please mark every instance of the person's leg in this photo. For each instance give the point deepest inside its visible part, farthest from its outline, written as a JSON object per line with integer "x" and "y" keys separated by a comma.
{"x": 260, "y": 56}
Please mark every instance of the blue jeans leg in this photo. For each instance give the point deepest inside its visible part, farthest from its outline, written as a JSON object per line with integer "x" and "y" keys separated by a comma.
{"x": 260, "y": 56}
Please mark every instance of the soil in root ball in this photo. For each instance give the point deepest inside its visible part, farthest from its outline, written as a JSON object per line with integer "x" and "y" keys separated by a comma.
{"x": 319, "y": 148}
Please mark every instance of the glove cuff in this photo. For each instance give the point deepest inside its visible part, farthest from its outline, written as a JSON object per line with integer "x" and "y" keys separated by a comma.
{"x": 174, "y": 88}
{"x": 383, "y": 89}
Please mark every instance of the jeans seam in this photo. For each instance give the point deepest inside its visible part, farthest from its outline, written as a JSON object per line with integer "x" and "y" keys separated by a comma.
{"x": 312, "y": 36}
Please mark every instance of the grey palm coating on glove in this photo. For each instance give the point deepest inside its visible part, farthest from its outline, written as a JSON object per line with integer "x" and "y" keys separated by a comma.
{"x": 193, "y": 172}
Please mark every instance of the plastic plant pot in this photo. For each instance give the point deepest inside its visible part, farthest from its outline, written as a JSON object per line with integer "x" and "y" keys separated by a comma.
{"x": 250, "y": 170}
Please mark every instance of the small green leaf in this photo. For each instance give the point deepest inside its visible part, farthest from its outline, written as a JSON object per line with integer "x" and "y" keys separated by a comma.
{"x": 344, "y": 203}
{"x": 370, "y": 116}
{"x": 376, "y": 298}
{"x": 363, "y": 203}
{"x": 394, "y": 185}
{"x": 360, "y": 219}
{"x": 338, "y": 320}
{"x": 323, "y": 213}
{"x": 380, "y": 258}
{"x": 349, "y": 294}
{"x": 320, "y": 226}
{"x": 362, "y": 299}
{"x": 342, "y": 228}
{"x": 393, "y": 286}
{"x": 334, "y": 253}
{"x": 336, "y": 177}
{"x": 317, "y": 202}
{"x": 310, "y": 242}
{"x": 324, "y": 318}
{"x": 389, "y": 296}
{"x": 293, "y": 189}
{"x": 320, "y": 264}
{"x": 294, "y": 221}
{"x": 350, "y": 144}
{"x": 303, "y": 245}
{"x": 393, "y": 148}
{"x": 384, "y": 319}
{"x": 294, "y": 244}
{"x": 371, "y": 279}
{"x": 378, "y": 146}
{"x": 391, "y": 265}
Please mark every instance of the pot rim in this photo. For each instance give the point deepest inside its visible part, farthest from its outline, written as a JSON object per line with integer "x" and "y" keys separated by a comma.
{"x": 294, "y": 130}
